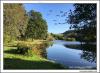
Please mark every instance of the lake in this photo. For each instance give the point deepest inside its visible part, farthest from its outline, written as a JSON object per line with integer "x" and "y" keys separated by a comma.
{"x": 72, "y": 54}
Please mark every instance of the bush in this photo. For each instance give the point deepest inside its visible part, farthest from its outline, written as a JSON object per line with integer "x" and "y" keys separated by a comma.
{"x": 50, "y": 37}
{"x": 29, "y": 49}
{"x": 24, "y": 48}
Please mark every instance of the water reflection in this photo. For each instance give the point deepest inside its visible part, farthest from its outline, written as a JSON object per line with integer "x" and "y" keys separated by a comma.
{"x": 88, "y": 51}
{"x": 71, "y": 54}
{"x": 43, "y": 51}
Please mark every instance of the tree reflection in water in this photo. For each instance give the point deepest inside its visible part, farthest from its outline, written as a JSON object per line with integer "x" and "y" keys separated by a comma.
{"x": 43, "y": 51}
{"x": 88, "y": 51}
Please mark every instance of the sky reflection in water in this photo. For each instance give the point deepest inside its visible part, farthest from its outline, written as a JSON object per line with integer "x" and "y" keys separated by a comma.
{"x": 69, "y": 56}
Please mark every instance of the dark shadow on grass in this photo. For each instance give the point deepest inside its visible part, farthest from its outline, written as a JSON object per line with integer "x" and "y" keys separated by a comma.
{"x": 25, "y": 64}
{"x": 11, "y": 51}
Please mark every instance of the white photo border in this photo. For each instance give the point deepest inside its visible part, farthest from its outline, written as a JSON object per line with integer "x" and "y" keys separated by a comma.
{"x": 2, "y": 70}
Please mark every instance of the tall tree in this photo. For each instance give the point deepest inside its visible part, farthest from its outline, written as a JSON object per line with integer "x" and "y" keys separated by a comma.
{"x": 83, "y": 19}
{"x": 15, "y": 21}
{"x": 37, "y": 26}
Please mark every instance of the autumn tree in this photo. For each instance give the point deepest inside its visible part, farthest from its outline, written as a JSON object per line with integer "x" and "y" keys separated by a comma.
{"x": 15, "y": 21}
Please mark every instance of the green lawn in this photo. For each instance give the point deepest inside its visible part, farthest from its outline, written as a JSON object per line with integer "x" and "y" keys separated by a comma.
{"x": 12, "y": 60}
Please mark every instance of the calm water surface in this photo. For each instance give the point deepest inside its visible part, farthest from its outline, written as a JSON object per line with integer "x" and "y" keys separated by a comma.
{"x": 72, "y": 54}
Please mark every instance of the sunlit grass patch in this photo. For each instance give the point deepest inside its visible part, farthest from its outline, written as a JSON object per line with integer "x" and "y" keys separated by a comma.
{"x": 13, "y": 60}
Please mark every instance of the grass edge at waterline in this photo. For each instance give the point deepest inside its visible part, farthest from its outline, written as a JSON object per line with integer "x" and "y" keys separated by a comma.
{"x": 13, "y": 60}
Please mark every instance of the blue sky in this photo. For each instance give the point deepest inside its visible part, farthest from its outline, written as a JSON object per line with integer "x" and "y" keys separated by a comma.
{"x": 54, "y": 14}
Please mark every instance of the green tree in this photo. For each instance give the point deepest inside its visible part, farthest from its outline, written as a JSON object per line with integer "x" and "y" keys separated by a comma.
{"x": 15, "y": 21}
{"x": 37, "y": 26}
{"x": 83, "y": 19}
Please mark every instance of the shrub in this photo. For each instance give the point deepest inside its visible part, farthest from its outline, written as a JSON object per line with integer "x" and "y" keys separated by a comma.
{"x": 29, "y": 49}
{"x": 24, "y": 48}
{"x": 50, "y": 37}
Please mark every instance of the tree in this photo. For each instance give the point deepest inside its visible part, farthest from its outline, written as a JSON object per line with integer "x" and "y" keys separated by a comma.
{"x": 37, "y": 26}
{"x": 15, "y": 21}
{"x": 83, "y": 19}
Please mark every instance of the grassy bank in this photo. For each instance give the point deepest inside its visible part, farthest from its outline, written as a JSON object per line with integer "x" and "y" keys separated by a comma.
{"x": 13, "y": 60}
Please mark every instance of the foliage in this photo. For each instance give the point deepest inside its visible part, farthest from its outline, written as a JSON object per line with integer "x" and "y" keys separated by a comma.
{"x": 25, "y": 49}
{"x": 30, "y": 48}
{"x": 19, "y": 25}
{"x": 15, "y": 21}
{"x": 58, "y": 36}
{"x": 83, "y": 19}
{"x": 37, "y": 26}
{"x": 6, "y": 39}
{"x": 70, "y": 35}
{"x": 70, "y": 39}
{"x": 50, "y": 37}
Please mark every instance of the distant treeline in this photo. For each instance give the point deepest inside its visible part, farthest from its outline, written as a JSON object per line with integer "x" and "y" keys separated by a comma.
{"x": 61, "y": 36}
